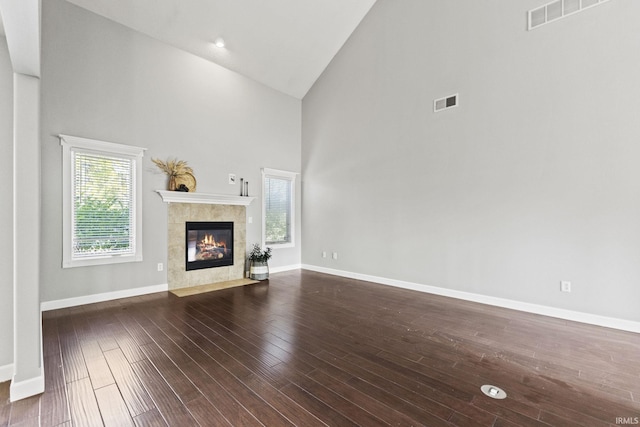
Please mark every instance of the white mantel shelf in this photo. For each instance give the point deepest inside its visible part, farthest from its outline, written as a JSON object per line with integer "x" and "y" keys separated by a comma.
{"x": 209, "y": 199}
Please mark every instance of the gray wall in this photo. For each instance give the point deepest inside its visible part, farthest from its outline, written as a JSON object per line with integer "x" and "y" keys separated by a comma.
{"x": 103, "y": 81}
{"x": 533, "y": 179}
{"x": 6, "y": 208}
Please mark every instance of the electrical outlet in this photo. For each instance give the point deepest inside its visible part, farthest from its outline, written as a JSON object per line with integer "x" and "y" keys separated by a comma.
{"x": 160, "y": 266}
{"x": 324, "y": 254}
{"x": 335, "y": 255}
{"x": 565, "y": 286}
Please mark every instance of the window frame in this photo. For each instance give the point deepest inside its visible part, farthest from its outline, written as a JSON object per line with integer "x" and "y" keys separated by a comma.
{"x": 74, "y": 144}
{"x": 291, "y": 177}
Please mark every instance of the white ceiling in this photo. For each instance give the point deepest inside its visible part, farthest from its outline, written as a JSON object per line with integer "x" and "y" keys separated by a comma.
{"x": 285, "y": 44}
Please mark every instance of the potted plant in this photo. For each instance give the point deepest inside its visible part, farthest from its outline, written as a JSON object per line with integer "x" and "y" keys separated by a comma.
{"x": 259, "y": 266}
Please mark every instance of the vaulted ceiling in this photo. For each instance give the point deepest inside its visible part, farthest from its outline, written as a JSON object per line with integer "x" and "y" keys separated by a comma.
{"x": 284, "y": 44}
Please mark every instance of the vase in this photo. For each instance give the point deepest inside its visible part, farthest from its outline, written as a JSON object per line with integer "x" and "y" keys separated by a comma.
{"x": 172, "y": 183}
{"x": 259, "y": 270}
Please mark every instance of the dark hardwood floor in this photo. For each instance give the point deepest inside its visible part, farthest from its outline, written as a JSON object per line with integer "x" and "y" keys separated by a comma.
{"x": 309, "y": 349}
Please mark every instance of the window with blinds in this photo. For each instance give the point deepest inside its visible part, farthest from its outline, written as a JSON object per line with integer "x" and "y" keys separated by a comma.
{"x": 102, "y": 202}
{"x": 103, "y": 206}
{"x": 278, "y": 207}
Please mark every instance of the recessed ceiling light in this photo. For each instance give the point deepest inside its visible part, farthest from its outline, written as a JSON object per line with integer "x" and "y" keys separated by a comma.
{"x": 219, "y": 42}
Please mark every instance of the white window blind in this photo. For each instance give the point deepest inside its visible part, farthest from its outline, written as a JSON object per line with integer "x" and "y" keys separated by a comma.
{"x": 102, "y": 202}
{"x": 278, "y": 207}
{"x": 103, "y": 206}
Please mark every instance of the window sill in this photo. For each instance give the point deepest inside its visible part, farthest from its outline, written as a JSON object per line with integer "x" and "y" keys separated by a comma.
{"x": 281, "y": 245}
{"x": 101, "y": 261}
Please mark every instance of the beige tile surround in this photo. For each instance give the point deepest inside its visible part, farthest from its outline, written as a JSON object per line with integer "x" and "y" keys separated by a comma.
{"x": 178, "y": 214}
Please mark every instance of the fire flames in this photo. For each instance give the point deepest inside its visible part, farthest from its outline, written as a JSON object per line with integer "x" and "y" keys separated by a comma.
{"x": 209, "y": 240}
{"x": 209, "y": 248}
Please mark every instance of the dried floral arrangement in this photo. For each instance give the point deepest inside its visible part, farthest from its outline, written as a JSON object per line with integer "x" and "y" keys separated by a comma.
{"x": 180, "y": 174}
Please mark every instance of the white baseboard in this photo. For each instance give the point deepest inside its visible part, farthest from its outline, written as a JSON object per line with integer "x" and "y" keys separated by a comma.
{"x": 107, "y": 296}
{"x": 6, "y": 372}
{"x": 285, "y": 268}
{"x": 576, "y": 316}
{"x": 23, "y": 389}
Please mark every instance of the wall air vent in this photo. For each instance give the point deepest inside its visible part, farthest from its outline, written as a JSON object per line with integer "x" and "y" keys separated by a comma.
{"x": 558, "y": 9}
{"x": 445, "y": 103}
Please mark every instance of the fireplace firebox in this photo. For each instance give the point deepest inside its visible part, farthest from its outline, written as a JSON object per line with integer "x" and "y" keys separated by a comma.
{"x": 208, "y": 244}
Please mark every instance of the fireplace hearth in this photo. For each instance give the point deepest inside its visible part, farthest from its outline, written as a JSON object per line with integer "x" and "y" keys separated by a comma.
{"x": 208, "y": 245}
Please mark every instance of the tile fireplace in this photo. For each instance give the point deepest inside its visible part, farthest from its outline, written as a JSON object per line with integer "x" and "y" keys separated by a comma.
{"x": 224, "y": 247}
